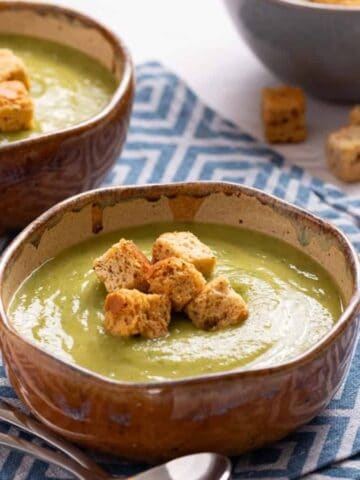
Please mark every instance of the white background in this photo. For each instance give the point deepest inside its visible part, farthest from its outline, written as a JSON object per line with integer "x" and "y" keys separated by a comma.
{"x": 197, "y": 39}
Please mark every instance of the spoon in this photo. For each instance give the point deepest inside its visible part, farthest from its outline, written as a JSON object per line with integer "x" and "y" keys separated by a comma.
{"x": 200, "y": 466}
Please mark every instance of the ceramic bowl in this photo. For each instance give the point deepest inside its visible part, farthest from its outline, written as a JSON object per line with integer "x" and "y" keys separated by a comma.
{"x": 229, "y": 412}
{"x": 39, "y": 172}
{"x": 313, "y": 45}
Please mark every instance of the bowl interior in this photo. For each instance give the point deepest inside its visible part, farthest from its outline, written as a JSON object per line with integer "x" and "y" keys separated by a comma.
{"x": 64, "y": 26}
{"x": 107, "y": 210}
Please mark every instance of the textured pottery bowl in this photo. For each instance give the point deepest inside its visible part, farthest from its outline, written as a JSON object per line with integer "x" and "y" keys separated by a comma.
{"x": 229, "y": 412}
{"x": 39, "y": 172}
{"x": 313, "y": 45}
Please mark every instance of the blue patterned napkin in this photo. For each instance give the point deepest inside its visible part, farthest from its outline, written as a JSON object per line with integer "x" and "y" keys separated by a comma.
{"x": 174, "y": 137}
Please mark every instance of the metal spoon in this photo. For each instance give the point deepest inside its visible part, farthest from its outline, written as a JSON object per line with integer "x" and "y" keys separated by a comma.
{"x": 201, "y": 466}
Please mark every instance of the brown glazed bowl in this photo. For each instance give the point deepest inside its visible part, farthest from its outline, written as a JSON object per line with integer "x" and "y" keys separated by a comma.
{"x": 228, "y": 412}
{"x": 39, "y": 172}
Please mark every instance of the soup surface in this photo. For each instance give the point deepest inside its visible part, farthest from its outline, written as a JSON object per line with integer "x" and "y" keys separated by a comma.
{"x": 292, "y": 302}
{"x": 67, "y": 86}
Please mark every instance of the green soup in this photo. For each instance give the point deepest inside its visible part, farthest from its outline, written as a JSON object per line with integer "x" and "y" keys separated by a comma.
{"x": 67, "y": 85}
{"x": 292, "y": 301}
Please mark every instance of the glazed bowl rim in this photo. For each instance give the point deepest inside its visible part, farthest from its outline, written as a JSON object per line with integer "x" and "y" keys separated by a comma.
{"x": 117, "y": 96}
{"x": 206, "y": 188}
{"x": 307, "y": 5}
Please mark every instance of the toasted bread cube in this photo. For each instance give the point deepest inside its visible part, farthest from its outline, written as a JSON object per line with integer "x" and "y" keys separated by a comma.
{"x": 187, "y": 246}
{"x": 130, "y": 312}
{"x": 123, "y": 266}
{"x": 343, "y": 153}
{"x": 217, "y": 306}
{"x": 12, "y": 68}
{"x": 177, "y": 279}
{"x": 283, "y": 112}
{"x": 16, "y": 107}
{"x": 355, "y": 115}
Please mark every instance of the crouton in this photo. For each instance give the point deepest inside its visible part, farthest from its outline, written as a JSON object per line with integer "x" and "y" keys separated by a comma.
{"x": 12, "y": 68}
{"x": 123, "y": 266}
{"x": 187, "y": 246}
{"x": 130, "y": 312}
{"x": 177, "y": 279}
{"x": 343, "y": 153}
{"x": 283, "y": 114}
{"x": 355, "y": 116}
{"x": 16, "y": 107}
{"x": 217, "y": 306}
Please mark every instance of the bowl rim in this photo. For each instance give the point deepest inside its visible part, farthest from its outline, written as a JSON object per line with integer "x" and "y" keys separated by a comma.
{"x": 127, "y": 76}
{"x": 306, "y": 4}
{"x": 78, "y": 202}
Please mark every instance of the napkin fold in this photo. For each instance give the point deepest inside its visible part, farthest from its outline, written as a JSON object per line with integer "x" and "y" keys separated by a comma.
{"x": 173, "y": 136}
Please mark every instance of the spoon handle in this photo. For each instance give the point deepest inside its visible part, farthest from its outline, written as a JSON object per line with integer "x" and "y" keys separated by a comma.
{"x": 13, "y": 416}
{"x": 47, "y": 456}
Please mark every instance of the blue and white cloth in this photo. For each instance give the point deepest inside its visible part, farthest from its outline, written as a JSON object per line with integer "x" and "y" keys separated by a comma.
{"x": 174, "y": 137}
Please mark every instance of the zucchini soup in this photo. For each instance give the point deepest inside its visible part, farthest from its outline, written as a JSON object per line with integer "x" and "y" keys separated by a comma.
{"x": 292, "y": 304}
{"x": 66, "y": 86}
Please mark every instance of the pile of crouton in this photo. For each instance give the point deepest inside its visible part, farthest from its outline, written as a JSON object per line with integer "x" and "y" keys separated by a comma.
{"x": 142, "y": 294}
{"x": 16, "y": 105}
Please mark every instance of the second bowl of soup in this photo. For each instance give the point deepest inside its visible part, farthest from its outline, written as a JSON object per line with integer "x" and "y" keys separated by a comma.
{"x": 190, "y": 390}
{"x": 82, "y": 88}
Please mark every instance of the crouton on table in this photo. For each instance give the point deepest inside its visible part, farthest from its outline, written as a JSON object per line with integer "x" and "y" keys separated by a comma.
{"x": 217, "y": 306}
{"x": 12, "y": 68}
{"x": 123, "y": 266}
{"x": 343, "y": 153}
{"x": 177, "y": 279}
{"x": 283, "y": 112}
{"x": 130, "y": 312}
{"x": 187, "y": 246}
{"x": 355, "y": 115}
{"x": 16, "y": 107}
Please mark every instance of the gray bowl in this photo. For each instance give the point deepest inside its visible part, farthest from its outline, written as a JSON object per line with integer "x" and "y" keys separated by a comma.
{"x": 315, "y": 46}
